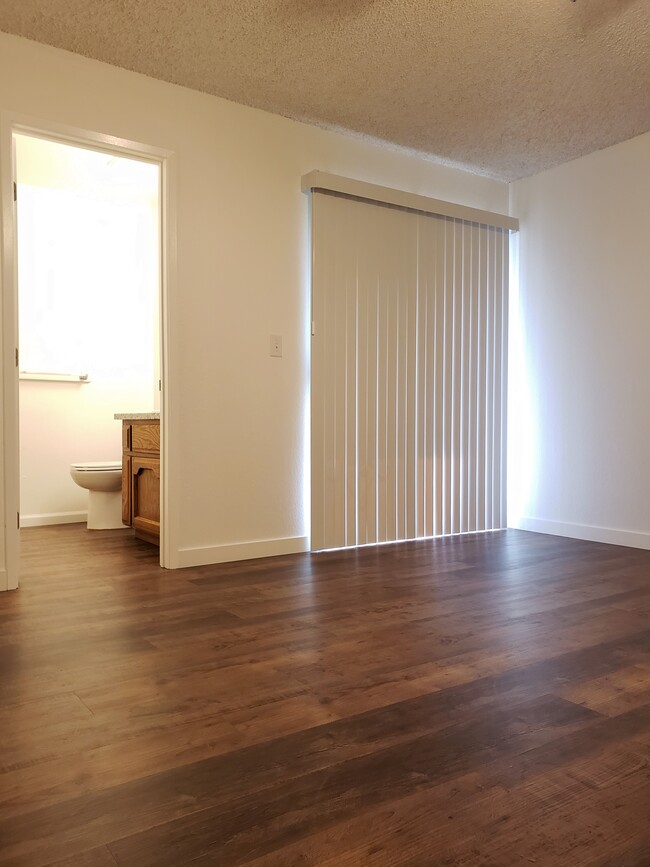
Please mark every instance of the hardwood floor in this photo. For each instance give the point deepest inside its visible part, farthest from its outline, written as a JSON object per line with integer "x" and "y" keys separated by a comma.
{"x": 472, "y": 701}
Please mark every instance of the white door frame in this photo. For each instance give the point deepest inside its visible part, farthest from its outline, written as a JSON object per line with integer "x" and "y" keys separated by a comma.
{"x": 9, "y": 460}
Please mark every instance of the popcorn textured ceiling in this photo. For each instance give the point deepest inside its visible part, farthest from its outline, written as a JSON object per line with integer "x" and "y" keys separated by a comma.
{"x": 505, "y": 89}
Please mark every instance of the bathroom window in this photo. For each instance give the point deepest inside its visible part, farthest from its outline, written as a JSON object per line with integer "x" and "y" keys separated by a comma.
{"x": 87, "y": 222}
{"x": 52, "y": 255}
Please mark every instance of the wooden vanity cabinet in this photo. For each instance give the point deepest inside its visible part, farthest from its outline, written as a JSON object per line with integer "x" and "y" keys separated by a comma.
{"x": 141, "y": 478}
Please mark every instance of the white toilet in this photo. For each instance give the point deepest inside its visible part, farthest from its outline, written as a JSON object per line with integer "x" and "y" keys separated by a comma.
{"x": 103, "y": 481}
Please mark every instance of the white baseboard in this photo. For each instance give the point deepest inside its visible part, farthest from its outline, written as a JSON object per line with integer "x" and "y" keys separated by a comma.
{"x": 53, "y": 518}
{"x": 629, "y": 538}
{"x": 240, "y": 551}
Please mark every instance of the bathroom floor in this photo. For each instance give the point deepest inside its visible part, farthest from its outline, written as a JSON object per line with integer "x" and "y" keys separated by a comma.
{"x": 476, "y": 700}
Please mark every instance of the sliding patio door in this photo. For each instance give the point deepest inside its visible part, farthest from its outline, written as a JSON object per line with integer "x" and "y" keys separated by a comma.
{"x": 408, "y": 373}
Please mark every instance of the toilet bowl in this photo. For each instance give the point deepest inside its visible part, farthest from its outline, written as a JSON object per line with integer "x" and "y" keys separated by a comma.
{"x": 103, "y": 481}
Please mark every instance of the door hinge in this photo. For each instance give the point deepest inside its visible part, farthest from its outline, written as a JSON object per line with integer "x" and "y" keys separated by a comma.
{"x": 18, "y": 520}
{"x": 15, "y": 191}
{"x": 16, "y": 356}
{"x": 160, "y": 385}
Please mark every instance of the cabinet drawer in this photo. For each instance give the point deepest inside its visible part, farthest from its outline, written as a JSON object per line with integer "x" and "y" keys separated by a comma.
{"x": 145, "y": 438}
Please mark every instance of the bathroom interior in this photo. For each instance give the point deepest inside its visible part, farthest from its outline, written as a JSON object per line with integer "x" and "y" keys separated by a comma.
{"x": 88, "y": 238}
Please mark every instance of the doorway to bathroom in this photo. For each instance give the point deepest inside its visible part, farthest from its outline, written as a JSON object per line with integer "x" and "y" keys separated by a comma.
{"x": 88, "y": 263}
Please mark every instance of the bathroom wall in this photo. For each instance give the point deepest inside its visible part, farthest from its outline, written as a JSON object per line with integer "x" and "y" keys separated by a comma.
{"x": 88, "y": 261}
{"x": 63, "y": 423}
{"x": 237, "y": 440}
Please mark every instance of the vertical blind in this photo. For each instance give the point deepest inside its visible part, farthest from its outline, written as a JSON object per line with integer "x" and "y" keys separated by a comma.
{"x": 408, "y": 373}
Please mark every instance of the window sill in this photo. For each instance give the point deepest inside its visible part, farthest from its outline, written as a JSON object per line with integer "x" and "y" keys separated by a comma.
{"x": 80, "y": 378}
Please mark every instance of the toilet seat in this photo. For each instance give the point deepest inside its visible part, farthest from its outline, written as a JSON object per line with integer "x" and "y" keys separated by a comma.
{"x": 98, "y": 466}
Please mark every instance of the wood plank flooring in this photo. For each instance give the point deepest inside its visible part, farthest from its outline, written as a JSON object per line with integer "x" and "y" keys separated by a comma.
{"x": 482, "y": 700}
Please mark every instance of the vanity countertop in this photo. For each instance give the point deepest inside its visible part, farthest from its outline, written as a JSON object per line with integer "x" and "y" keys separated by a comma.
{"x": 135, "y": 416}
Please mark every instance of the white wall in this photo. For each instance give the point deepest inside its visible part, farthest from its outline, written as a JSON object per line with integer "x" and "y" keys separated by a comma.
{"x": 238, "y": 430}
{"x": 581, "y": 465}
{"x": 80, "y": 427}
